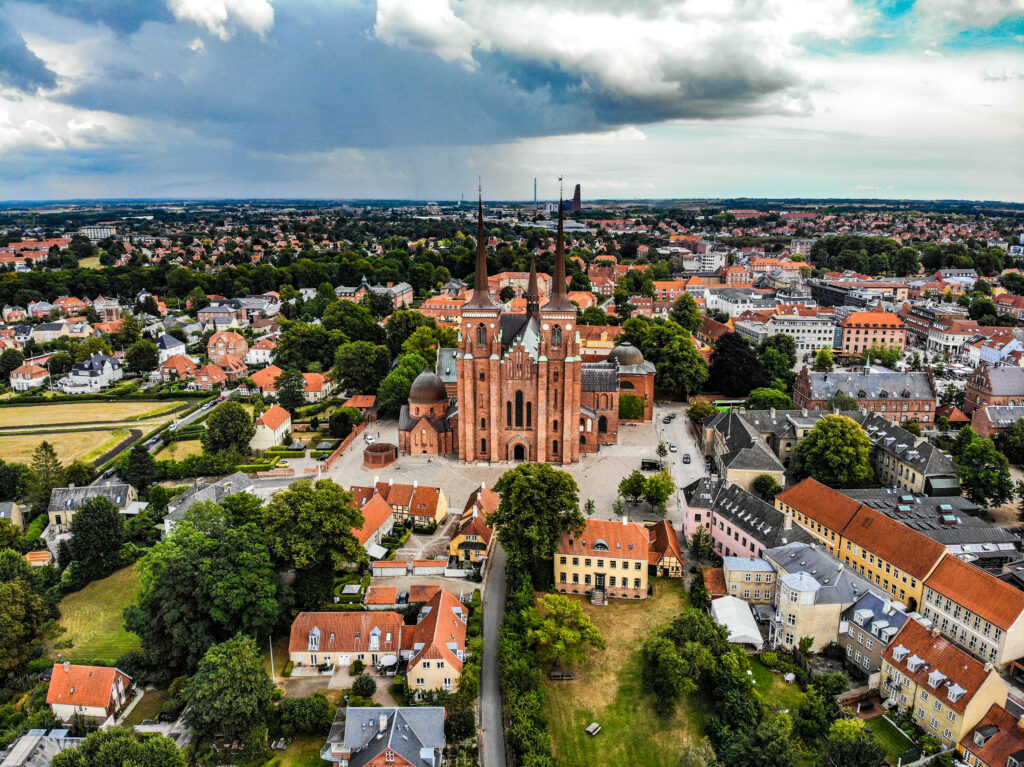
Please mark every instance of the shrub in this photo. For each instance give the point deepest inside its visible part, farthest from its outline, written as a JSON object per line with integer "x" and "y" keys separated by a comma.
{"x": 357, "y": 667}
{"x": 305, "y": 716}
{"x": 364, "y": 686}
{"x": 287, "y": 670}
{"x": 631, "y": 407}
{"x": 770, "y": 659}
{"x": 133, "y": 663}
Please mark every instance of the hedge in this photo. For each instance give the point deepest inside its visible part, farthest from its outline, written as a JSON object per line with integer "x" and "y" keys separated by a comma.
{"x": 248, "y": 468}
{"x": 319, "y": 453}
{"x": 37, "y": 399}
{"x": 287, "y": 671}
{"x": 283, "y": 452}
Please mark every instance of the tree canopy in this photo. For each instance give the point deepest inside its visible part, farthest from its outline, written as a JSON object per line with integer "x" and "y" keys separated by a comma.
{"x": 735, "y": 368}
{"x": 835, "y": 452}
{"x": 228, "y": 427}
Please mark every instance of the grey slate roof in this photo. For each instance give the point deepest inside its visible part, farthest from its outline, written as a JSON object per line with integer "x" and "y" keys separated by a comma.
{"x": 920, "y": 455}
{"x": 748, "y": 513}
{"x": 447, "y": 370}
{"x": 166, "y": 342}
{"x": 889, "y": 385}
{"x": 37, "y": 748}
{"x": 93, "y": 367}
{"x": 837, "y": 584}
{"x": 879, "y": 616}
{"x": 746, "y": 450}
{"x": 1004, "y": 416}
{"x": 212, "y": 491}
{"x": 73, "y": 497}
{"x": 782, "y": 423}
{"x": 415, "y": 733}
{"x": 599, "y": 376}
{"x": 1006, "y": 381}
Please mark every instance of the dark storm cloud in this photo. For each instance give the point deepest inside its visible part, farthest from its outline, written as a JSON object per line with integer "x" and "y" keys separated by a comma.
{"x": 19, "y": 67}
{"x": 122, "y": 16}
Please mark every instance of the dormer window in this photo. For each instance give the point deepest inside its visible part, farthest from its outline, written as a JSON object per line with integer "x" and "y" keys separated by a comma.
{"x": 900, "y": 652}
{"x": 935, "y": 678}
{"x": 600, "y": 545}
{"x": 914, "y": 663}
{"x": 314, "y": 638}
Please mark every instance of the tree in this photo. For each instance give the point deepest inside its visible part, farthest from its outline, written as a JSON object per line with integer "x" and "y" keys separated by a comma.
{"x": 766, "y": 399}
{"x": 228, "y": 427}
{"x": 142, "y": 356}
{"x": 231, "y": 692}
{"x": 364, "y": 686}
{"x": 681, "y": 371}
{"x": 985, "y": 474}
{"x": 129, "y": 331}
{"x": 47, "y": 473}
{"x": 343, "y": 420}
{"x": 842, "y": 401}
{"x": 661, "y": 451}
{"x": 700, "y": 599}
{"x": 700, "y": 410}
{"x": 121, "y": 746}
{"x": 208, "y": 580}
{"x": 538, "y": 504}
{"x": 21, "y": 617}
{"x": 97, "y": 532}
{"x": 824, "y": 361}
{"x": 10, "y": 359}
{"x": 394, "y": 390}
{"x": 913, "y": 427}
{"x": 765, "y": 487}
{"x": 632, "y": 487}
{"x": 782, "y": 343}
{"x": 686, "y": 313}
{"x": 665, "y": 674}
{"x": 700, "y": 544}
{"x": 631, "y": 407}
{"x": 594, "y": 315}
{"x": 1010, "y": 442}
{"x": 291, "y": 388}
{"x": 309, "y": 524}
{"x": 953, "y": 396}
{"x": 964, "y": 438}
{"x": 359, "y": 367}
{"x": 15, "y": 480}
{"x": 140, "y": 471}
{"x": 305, "y": 716}
{"x": 10, "y": 536}
{"x": 403, "y": 324}
{"x": 79, "y": 473}
{"x": 735, "y": 367}
{"x": 698, "y": 753}
{"x": 849, "y": 746}
{"x": 658, "y": 488}
{"x": 835, "y": 452}
{"x": 560, "y": 631}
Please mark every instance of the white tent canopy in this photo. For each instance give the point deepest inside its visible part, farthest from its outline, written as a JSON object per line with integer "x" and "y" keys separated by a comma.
{"x": 735, "y": 615}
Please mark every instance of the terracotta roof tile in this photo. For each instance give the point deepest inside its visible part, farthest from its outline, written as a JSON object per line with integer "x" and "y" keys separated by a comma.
{"x": 273, "y": 418}
{"x": 624, "y": 541}
{"x": 422, "y": 592}
{"x": 894, "y": 542}
{"x": 820, "y": 502}
{"x": 1009, "y": 740}
{"x": 978, "y": 591}
{"x": 83, "y": 685}
{"x": 381, "y": 595}
{"x": 346, "y": 632}
{"x": 714, "y": 581}
{"x": 665, "y": 540}
{"x": 375, "y": 513}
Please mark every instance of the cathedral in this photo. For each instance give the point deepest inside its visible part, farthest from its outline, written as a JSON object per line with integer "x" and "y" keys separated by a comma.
{"x": 515, "y": 387}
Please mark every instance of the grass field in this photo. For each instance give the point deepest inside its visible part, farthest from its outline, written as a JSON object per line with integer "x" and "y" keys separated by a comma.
{"x": 85, "y": 413}
{"x": 94, "y": 621}
{"x": 147, "y": 708}
{"x": 70, "y": 446}
{"x": 89, "y": 263}
{"x": 607, "y": 691}
{"x": 180, "y": 450}
{"x": 893, "y": 740}
{"x": 775, "y": 691}
{"x": 304, "y": 751}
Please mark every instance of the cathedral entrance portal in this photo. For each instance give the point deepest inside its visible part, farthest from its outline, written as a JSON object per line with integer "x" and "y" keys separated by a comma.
{"x": 519, "y": 453}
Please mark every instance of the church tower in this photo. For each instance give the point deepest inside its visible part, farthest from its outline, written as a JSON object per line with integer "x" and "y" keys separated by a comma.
{"x": 478, "y": 362}
{"x": 559, "y": 369}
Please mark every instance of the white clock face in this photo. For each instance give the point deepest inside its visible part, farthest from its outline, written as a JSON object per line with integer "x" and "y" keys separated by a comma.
{"x": 568, "y": 327}
{"x": 546, "y": 326}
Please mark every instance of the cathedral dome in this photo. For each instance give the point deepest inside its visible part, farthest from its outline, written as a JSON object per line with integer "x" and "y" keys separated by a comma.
{"x": 427, "y": 388}
{"x": 626, "y": 354}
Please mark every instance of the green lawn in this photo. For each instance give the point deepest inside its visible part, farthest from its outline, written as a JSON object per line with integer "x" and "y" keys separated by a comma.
{"x": 304, "y": 751}
{"x": 94, "y": 621}
{"x": 776, "y": 692}
{"x": 607, "y": 691}
{"x": 893, "y": 739}
{"x": 147, "y": 708}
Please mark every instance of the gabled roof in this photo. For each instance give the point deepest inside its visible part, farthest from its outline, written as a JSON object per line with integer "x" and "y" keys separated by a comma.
{"x": 375, "y": 513}
{"x": 346, "y": 631}
{"x": 904, "y": 547}
{"x": 1004, "y": 738}
{"x": 91, "y": 686}
{"x": 273, "y": 418}
{"x": 407, "y": 732}
{"x": 440, "y": 632}
{"x": 265, "y": 378}
{"x": 978, "y": 591}
{"x": 623, "y": 540}
{"x": 664, "y": 540}
{"x": 820, "y": 502}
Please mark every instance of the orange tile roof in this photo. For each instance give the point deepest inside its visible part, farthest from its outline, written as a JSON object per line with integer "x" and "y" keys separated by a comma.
{"x": 39, "y": 558}
{"x": 938, "y": 653}
{"x": 381, "y": 595}
{"x": 92, "y": 686}
{"x": 361, "y": 401}
{"x": 211, "y": 374}
{"x": 394, "y": 565}
{"x": 347, "y": 632}
{"x": 273, "y": 417}
{"x": 264, "y": 379}
{"x": 714, "y": 581}
{"x": 484, "y": 499}
{"x": 440, "y": 627}
{"x": 1000, "y": 746}
{"x": 314, "y": 381}
{"x": 894, "y": 542}
{"x": 882, "y": 319}
{"x": 820, "y": 502}
{"x": 422, "y": 592}
{"x": 375, "y": 513}
{"x": 665, "y": 540}
{"x": 978, "y": 591}
{"x": 475, "y": 525}
{"x": 627, "y": 541}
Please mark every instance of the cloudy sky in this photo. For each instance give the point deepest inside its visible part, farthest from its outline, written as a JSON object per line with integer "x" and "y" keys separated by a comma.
{"x": 417, "y": 98}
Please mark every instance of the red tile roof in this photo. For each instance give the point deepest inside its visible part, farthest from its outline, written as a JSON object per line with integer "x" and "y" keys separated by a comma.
{"x": 714, "y": 581}
{"x": 264, "y": 379}
{"x": 440, "y": 631}
{"x": 273, "y": 418}
{"x": 820, "y": 502}
{"x": 628, "y": 540}
{"x": 375, "y": 513}
{"x": 361, "y": 401}
{"x": 894, "y": 542}
{"x": 347, "y": 632}
{"x": 381, "y": 595}
{"x": 422, "y": 592}
{"x": 978, "y": 591}
{"x": 1007, "y": 741}
{"x": 92, "y": 686}
{"x": 665, "y": 540}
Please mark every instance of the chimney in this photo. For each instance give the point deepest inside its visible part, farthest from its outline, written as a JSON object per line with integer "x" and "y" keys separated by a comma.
{"x": 483, "y": 485}
{"x": 474, "y": 512}
{"x": 391, "y": 481}
{"x": 935, "y": 631}
{"x": 71, "y": 485}
{"x": 625, "y": 519}
{"x": 415, "y": 484}
{"x": 67, "y": 667}
{"x": 376, "y": 479}
{"x": 988, "y": 667}
{"x": 383, "y": 722}
{"x": 772, "y": 412}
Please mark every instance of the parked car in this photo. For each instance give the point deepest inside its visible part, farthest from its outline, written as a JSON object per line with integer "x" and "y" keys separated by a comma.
{"x": 650, "y": 464}
{"x": 686, "y": 457}
{"x": 403, "y": 598}
{"x": 109, "y": 473}
{"x": 672, "y": 447}
{"x": 281, "y": 465}
{"x": 666, "y": 419}
{"x": 369, "y": 439}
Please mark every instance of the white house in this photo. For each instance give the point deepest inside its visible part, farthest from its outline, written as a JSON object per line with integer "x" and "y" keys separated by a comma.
{"x": 261, "y": 352}
{"x": 169, "y": 346}
{"x": 93, "y": 691}
{"x": 271, "y": 428}
{"x": 28, "y": 376}
{"x": 92, "y": 375}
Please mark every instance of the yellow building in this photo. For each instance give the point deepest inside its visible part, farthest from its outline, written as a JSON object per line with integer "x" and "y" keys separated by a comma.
{"x": 608, "y": 557}
{"x": 945, "y": 689}
{"x": 890, "y": 555}
{"x": 472, "y": 539}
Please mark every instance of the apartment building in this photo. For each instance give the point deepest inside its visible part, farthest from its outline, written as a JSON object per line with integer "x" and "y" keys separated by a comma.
{"x": 900, "y": 397}
{"x": 981, "y": 613}
{"x": 609, "y": 557}
{"x": 809, "y": 329}
{"x": 996, "y": 741}
{"x": 750, "y": 579}
{"x": 907, "y": 462}
{"x": 866, "y": 629}
{"x": 946, "y": 689}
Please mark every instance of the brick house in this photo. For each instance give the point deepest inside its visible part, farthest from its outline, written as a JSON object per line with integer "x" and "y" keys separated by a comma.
{"x": 226, "y": 342}
{"x": 999, "y": 385}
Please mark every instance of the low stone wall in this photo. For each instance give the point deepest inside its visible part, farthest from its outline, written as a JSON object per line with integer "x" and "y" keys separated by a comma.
{"x": 275, "y": 473}
{"x": 380, "y": 455}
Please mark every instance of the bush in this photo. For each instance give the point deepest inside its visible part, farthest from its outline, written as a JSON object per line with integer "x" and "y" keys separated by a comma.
{"x": 770, "y": 659}
{"x": 357, "y": 667}
{"x": 305, "y": 716}
{"x": 133, "y": 663}
{"x": 364, "y": 686}
{"x": 287, "y": 670}
{"x": 631, "y": 407}
{"x": 473, "y": 626}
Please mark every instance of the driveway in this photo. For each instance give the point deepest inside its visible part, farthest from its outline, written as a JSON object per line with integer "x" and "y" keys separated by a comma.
{"x": 491, "y": 716}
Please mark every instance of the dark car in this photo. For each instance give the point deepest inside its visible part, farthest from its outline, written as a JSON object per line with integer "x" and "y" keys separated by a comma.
{"x": 108, "y": 473}
{"x": 666, "y": 419}
{"x": 686, "y": 457}
{"x": 403, "y": 598}
{"x": 650, "y": 464}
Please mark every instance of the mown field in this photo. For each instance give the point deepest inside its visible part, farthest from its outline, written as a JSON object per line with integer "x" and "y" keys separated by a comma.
{"x": 180, "y": 450}
{"x": 84, "y": 413}
{"x": 94, "y": 618}
{"x": 69, "y": 445}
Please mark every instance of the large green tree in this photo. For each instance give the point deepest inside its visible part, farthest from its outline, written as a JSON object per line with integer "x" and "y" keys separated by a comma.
{"x": 228, "y": 427}
{"x": 21, "y": 616}
{"x": 309, "y": 524}
{"x": 15, "y": 480}
{"x": 403, "y": 324}
{"x": 560, "y": 631}
{"x": 291, "y": 388}
{"x": 848, "y": 745}
{"x": 658, "y": 488}
{"x": 142, "y": 356}
{"x": 835, "y": 452}
{"x": 201, "y": 585}
{"x": 985, "y": 473}
{"x": 10, "y": 359}
{"x": 121, "y": 747}
{"x": 140, "y": 469}
{"x": 47, "y": 473}
{"x": 824, "y": 361}
{"x": 425, "y": 341}
{"x": 97, "y": 532}
{"x": 735, "y": 368}
{"x": 538, "y": 504}
{"x": 394, "y": 389}
{"x": 359, "y": 367}
{"x": 231, "y": 693}
{"x": 682, "y": 371}
{"x": 766, "y": 399}
{"x": 686, "y": 313}
{"x": 1011, "y": 441}
{"x": 631, "y": 487}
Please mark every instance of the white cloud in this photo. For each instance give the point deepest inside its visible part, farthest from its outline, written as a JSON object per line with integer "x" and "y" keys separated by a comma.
{"x": 221, "y": 16}
{"x": 197, "y": 45}
{"x": 34, "y": 122}
{"x": 427, "y": 25}
{"x": 940, "y": 18}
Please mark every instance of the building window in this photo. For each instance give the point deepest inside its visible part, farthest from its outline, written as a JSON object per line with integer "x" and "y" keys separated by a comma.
{"x": 519, "y": 410}
{"x": 556, "y": 336}
{"x": 529, "y": 414}
{"x": 483, "y": 446}
{"x": 561, "y": 577}
{"x": 481, "y": 335}
{"x": 483, "y": 423}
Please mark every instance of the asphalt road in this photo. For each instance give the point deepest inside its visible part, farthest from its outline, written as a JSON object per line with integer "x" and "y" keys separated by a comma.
{"x": 491, "y": 716}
